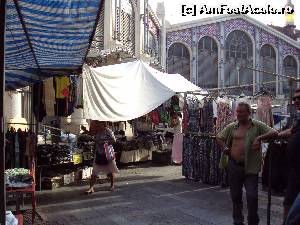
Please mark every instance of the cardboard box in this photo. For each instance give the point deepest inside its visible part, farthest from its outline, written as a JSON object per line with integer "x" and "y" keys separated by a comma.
{"x": 57, "y": 182}
{"x": 86, "y": 173}
{"x": 69, "y": 178}
{"x": 77, "y": 158}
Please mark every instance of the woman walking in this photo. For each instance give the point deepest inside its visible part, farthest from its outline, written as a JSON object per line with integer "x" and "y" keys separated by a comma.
{"x": 103, "y": 136}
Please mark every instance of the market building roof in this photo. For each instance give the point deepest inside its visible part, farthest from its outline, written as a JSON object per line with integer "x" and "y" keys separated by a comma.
{"x": 289, "y": 31}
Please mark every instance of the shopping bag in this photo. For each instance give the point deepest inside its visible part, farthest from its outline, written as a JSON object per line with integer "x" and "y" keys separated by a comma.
{"x": 223, "y": 161}
{"x": 110, "y": 152}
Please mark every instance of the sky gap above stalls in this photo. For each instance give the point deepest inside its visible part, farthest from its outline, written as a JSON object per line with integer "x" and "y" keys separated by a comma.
{"x": 129, "y": 90}
{"x": 46, "y": 38}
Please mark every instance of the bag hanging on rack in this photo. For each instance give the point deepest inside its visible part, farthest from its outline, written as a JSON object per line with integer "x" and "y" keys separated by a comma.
{"x": 109, "y": 152}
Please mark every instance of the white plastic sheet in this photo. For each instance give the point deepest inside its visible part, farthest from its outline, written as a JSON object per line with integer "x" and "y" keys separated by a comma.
{"x": 129, "y": 90}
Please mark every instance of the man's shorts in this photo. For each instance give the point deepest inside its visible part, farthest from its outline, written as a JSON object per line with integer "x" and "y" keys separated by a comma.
{"x": 293, "y": 187}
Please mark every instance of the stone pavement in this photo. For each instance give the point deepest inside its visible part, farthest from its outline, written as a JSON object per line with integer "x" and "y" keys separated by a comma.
{"x": 147, "y": 196}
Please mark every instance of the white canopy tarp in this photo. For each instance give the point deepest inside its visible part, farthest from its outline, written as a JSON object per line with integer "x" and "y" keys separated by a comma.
{"x": 129, "y": 90}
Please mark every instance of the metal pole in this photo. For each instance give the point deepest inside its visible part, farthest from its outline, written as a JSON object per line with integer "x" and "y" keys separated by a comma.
{"x": 238, "y": 74}
{"x": 269, "y": 186}
{"x": 120, "y": 20}
{"x": 2, "y": 91}
{"x": 291, "y": 101}
{"x": 184, "y": 110}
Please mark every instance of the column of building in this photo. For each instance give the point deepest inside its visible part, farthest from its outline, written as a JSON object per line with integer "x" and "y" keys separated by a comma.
{"x": 256, "y": 77}
{"x": 221, "y": 72}
{"x": 194, "y": 77}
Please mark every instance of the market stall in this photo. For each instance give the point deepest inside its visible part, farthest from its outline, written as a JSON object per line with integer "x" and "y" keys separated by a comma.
{"x": 129, "y": 90}
{"x": 39, "y": 45}
{"x": 111, "y": 94}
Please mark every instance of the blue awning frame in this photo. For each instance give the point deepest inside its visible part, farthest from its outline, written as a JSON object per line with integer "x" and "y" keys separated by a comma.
{"x": 28, "y": 56}
{"x": 47, "y": 38}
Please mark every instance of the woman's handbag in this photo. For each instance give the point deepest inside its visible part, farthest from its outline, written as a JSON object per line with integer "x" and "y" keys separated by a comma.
{"x": 109, "y": 152}
{"x": 100, "y": 156}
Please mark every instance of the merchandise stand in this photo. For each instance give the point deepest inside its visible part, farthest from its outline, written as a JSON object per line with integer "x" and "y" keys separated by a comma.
{"x": 21, "y": 192}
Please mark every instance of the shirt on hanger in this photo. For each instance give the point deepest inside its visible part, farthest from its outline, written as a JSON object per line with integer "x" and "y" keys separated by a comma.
{"x": 264, "y": 110}
{"x": 62, "y": 84}
{"x": 79, "y": 100}
{"x": 49, "y": 94}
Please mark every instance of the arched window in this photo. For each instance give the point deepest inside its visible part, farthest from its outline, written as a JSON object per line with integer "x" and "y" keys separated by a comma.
{"x": 239, "y": 54}
{"x": 179, "y": 60}
{"x": 290, "y": 68}
{"x": 207, "y": 63}
{"x": 268, "y": 64}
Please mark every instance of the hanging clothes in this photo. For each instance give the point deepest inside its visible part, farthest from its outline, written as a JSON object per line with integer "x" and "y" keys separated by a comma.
{"x": 201, "y": 159}
{"x": 71, "y": 98}
{"x": 264, "y": 110}
{"x": 187, "y": 157}
{"x": 224, "y": 112}
{"x": 62, "y": 87}
{"x": 279, "y": 164}
{"x": 49, "y": 94}
{"x": 207, "y": 117}
{"x": 201, "y": 154}
{"x": 16, "y": 148}
{"x": 31, "y": 143}
{"x": 38, "y": 101}
{"x": 22, "y": 148}
{"x": 193, "y": 113}
{"x": 79, "y": 92}
{"x": 17, "y": 151}
{"x": 10, "y": 149}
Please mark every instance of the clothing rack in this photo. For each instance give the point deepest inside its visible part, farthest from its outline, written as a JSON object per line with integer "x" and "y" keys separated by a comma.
{"x": 243, "y": 85}
{"x": 199, "y": 134}
{"x": 30, "y": 124}
{"x": 271, "y": 73}
{"x": 55, "y": 128}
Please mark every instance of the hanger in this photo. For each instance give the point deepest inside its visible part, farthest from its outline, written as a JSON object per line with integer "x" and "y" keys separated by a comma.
{"x": 242, "y": 95}
{"x": 263, "y": 92}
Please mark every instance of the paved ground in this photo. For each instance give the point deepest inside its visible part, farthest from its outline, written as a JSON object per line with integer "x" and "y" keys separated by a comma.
{"x": 146, "y": 196}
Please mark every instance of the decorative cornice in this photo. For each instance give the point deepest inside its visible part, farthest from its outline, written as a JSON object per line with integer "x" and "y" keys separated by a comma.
{"x": 109, "y": 57}
{"x": 154, "y": 18}
{"x": 216, "y": 19}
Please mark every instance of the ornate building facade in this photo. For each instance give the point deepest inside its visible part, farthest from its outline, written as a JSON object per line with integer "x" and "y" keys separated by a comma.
{"x": 232, "y": 50}
{"x": 130, "y": 25}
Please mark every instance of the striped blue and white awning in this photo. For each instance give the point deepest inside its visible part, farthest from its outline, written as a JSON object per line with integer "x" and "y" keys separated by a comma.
{"x": 46, "y": 38}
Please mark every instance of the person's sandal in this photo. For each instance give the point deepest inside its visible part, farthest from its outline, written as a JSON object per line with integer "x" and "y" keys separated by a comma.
{"x": 112, "y": 188}
{"x": 89, "y": 192}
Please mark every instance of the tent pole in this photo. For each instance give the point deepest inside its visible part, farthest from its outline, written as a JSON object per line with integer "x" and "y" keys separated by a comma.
{"x": 184, "y": 110}
{"x": 2, "y": 91}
